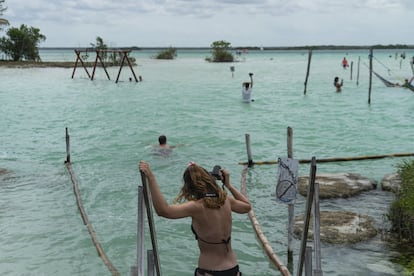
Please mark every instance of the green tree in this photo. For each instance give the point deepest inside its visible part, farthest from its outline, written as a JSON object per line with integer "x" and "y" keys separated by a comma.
{"x": 169, "y": 53}
{"x": 220, "y": 52}
{"x": 100, "y": 45}
{"x": 3, "y": 21}
{"x": 22, "y": 43}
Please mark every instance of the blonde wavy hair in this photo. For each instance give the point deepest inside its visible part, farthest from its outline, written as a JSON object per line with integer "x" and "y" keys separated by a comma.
{"x": 200, "y": 184}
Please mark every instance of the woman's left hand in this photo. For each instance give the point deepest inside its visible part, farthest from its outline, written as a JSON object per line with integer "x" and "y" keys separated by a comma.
{"x": 144, "y": 167}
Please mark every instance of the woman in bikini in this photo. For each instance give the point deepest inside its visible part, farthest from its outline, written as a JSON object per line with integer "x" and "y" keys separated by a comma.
{"x": 211, "y": 209}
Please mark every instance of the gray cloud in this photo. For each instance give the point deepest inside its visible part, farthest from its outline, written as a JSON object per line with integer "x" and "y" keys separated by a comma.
{"x": 199, "y": 22}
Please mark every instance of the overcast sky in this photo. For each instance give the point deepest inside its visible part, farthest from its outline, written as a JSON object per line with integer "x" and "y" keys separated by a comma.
{"x": 197, "y": 23}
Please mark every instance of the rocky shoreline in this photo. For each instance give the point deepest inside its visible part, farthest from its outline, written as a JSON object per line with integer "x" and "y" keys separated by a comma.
{"x": 343, "y": 227}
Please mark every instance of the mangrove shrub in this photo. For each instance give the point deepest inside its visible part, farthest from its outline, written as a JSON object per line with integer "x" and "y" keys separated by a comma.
{"x": 169, "y": 53}
{"x": 221, "y": 52}
{"x": 402, "y": 209}
{"x": 22, "y": 43}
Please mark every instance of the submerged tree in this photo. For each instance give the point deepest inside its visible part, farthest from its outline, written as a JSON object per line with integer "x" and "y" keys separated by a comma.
{"x": 22, "y": 43}
{"x": 220, "y": 51}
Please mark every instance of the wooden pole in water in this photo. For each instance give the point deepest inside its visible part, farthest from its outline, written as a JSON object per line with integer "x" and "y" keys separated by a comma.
{"x": 308, "y": 209}
{"x": 352, "y": 66}
{"x": 412, "y": 64}
{"x": 67, "y": 147}
{"x": 359, "y": 61}
{"x": 370, "y": 75}
{"x": 307, "y": 71}
{"x": 291, "y": 206}
{"x": 249, "y": 151}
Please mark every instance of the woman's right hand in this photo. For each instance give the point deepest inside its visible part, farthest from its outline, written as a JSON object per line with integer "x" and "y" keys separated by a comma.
{"x": 225, "y": 177}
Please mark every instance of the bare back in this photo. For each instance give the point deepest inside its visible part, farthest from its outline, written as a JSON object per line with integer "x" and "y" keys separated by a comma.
{"x": 213, "y": 228}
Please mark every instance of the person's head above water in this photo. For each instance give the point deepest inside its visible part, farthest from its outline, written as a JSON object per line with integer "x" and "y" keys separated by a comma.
{"x": 162, "y": 140}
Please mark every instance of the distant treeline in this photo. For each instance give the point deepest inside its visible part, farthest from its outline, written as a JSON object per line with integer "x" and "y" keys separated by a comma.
{"x": 284, "y": 48}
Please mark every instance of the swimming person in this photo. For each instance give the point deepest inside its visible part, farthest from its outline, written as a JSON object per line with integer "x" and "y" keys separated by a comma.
{"x": 163, "y": 149}
{"x": 247, "y": 89}
{"x": 210, "y": 209}
{"x": 162, "y": 142}
{"x": 338, "y": 84}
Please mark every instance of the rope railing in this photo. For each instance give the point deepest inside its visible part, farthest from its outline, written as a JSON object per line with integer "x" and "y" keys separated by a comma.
{"x": 333, "y": 159}
{"x": 84, "y": 216}
{"x": 262, "y": 238}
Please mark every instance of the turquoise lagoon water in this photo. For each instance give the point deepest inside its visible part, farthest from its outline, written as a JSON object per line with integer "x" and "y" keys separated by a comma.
{"x": 198, "y": 105}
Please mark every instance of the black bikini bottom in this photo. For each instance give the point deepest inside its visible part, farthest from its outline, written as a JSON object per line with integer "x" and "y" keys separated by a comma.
{"x": 229, "y": 272}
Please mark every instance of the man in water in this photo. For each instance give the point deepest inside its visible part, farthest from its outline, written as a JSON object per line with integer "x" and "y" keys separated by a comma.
{"x": 162, "y": 140}
{"x": 247, "y": 89}
{"x": 163, "y": 148}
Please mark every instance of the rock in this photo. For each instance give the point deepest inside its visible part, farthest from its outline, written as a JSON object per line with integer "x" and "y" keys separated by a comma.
{"x": 339, "y": 227}
{"x": 337, "y": 185}
{"x": 391, "y": 182}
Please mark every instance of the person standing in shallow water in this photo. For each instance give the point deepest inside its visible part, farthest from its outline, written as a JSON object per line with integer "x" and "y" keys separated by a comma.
{"x": 338, "y": 84}
{"x": 345, "y": 63}
{"x": 247, "y": 89}
{"x": 210, "y": 209}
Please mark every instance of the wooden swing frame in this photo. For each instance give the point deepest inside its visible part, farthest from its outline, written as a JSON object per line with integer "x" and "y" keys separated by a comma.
{"x": 123, "y": 53}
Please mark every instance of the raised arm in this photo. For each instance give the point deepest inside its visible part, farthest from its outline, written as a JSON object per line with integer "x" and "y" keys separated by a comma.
{"x": 161, "y": 206}
{"x": 240, "y": 203}
{"x": 251, "y": 79}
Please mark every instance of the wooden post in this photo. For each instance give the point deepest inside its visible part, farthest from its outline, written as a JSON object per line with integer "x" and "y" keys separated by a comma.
{"x": 352, "y": 67}
{"x": 67, "y": 147}
{"x": 249, "y": 152}
{"x": 308, "y": 209}
{"x": 130, "y": 67}
{"x": 370, "y": 75}
{"x": 125, "y": 57}
{"x": 359, "y": 60}
{"x": 412, "y": 64}
{"x": 120, "y": 68}
{"x": 291, "y": 206}
{"x": 307, "y": 71}
{"x": 76, "y": 64}
{"x": 98, "y": 57}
